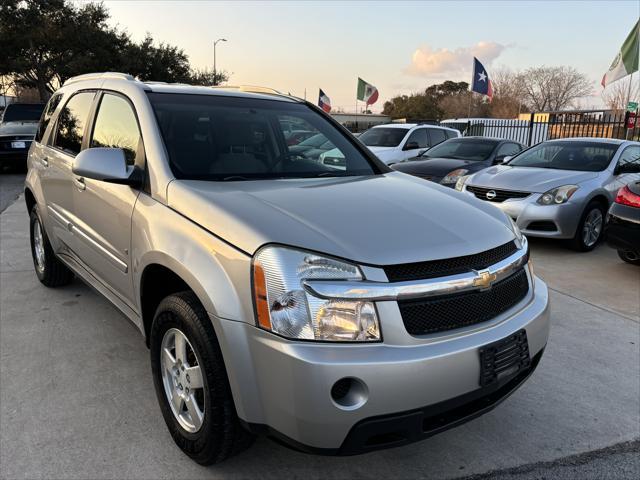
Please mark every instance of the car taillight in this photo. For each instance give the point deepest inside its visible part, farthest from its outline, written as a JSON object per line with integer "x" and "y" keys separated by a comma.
{"x": 627, "y": 197}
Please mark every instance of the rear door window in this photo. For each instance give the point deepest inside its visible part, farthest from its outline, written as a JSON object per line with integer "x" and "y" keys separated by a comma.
{"x": 437, "y": 136}
{"x": 72, "y": 121}
{"x": 419, "y": 136}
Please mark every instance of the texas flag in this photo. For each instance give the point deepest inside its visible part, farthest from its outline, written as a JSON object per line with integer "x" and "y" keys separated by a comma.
{"x": 481, "y": 83}
{"x": 324, "y": 102}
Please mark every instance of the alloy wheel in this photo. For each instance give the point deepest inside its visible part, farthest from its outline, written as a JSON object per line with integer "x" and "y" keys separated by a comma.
{"x": 592, "y": 227}
{"x": 182, "y": 379}
{"x": 38, "y": 246}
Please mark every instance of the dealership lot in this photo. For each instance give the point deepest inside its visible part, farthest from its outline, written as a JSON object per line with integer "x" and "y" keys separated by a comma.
{"x": 77, "y": 399}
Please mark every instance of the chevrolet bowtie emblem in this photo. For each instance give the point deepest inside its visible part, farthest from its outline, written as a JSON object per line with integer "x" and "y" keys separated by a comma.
{"x": 484, "y": 279}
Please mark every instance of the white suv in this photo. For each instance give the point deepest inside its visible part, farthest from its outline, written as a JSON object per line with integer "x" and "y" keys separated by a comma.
{"x": 396, "y": 142}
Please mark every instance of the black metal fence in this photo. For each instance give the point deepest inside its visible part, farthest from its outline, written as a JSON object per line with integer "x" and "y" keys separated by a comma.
{"x": 552, "y": 125}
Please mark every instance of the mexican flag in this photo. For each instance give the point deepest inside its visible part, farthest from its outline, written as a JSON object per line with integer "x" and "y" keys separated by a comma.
{"x": 367, "y": 92}
{"x": 626, "y": 62}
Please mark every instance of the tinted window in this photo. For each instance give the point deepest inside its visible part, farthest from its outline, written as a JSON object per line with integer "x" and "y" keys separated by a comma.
{"x": 116, "y": 127}
{"x": 27, "y": 112}
{"x": 451, "y": 134}
{"x": 437, "y": 136}
{"x": 71, "y": 122}
{"x": 630, "y": 155}
{"x": 225, "y": 138}
{"x": 419, "y": 136}
{"x": 508, "y": 149}
{"x": 46, "y": 116}
{"x": 574, "y": 155}
{"x": 383, "y": 137}
{"x": 463, "y": 149}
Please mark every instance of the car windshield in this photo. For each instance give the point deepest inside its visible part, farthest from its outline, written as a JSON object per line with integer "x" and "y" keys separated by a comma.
{"x": 211, "y": 137}
{"x": 573, "y": 155}
{"x": 383, "y": 137}
{"x": 462, "y": 149}
{"x": 23, "y": 112}
{"x": 314, "y": 141}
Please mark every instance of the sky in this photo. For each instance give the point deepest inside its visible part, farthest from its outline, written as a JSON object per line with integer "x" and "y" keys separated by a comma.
{"x": 400, "y": 47}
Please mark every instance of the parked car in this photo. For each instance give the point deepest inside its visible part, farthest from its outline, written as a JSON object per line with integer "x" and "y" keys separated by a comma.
{"x": 396, "y": 142}
{"x": 560, "y": 188}
{"x": 447, "y": 162}
{"x": 312, "y": 142}
{"x": 297, "y": 136}
{"x": 18, "y": 127}
{"x": 623, "y": 223}
{"x": 279, "y": 296}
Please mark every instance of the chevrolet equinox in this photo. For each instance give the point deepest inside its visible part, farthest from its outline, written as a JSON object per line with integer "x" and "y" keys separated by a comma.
{"x": 337, "y": 309}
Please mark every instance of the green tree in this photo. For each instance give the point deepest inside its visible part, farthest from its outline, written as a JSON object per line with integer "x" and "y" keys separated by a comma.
{"x": 425, "y": 105}
{"x": 44, "y": 42}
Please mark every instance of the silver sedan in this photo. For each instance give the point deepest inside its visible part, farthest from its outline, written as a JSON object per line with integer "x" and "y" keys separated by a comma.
{"x": 560, "y": 188}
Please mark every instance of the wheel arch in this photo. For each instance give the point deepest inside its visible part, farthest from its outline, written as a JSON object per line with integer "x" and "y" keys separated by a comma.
{"x": 160, "y": 278}
{"x": 30, "y": 199}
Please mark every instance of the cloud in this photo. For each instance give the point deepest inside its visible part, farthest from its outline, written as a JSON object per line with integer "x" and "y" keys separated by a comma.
{"x": 427, "y": 61}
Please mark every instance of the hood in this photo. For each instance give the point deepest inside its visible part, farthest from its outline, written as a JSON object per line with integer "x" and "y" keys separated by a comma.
{"x": 527, "y": 179}
{"x": 379, "y": 220}
{"x": 437, "y": 167}
{"x": 18, "y": 128}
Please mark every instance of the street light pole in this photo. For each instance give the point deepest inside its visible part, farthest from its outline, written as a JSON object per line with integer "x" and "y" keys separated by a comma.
{"x": 215, "y": 72}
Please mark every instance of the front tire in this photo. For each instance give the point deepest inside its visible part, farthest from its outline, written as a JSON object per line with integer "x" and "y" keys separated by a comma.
{"x": 590, "y": 229}
{"x": 50, "y": 271}
{"x": 191, "y": 382}
{"x": 629, "y": 257}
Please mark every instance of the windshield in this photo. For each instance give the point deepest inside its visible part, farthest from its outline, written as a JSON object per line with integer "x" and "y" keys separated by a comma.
{"x": 16, "y": 112}
{"x": 383, "y": 137}
{"x": 212, "y": 137}
{"x": 463, "y": 149}
{"x": 574, "y": 155}
{"x": 314, "y": 141}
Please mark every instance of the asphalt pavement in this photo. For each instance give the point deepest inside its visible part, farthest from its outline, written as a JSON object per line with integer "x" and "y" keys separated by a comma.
{"x": 77, "y": 398}
{"x": 11, "y": 185}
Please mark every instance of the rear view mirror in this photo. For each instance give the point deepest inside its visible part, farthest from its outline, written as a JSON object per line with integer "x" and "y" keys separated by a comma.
{"x": 106, "y": 165}
{"x": 411, "y": 146}
{"x": 502, "y": 159}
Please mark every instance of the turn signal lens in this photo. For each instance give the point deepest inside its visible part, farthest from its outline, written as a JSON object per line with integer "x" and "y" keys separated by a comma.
{"x": 627, "y": 197}
{"x": 262, "y": 305}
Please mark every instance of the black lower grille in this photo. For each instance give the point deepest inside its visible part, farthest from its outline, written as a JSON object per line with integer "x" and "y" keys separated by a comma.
{"x": 449, "y": 266}
{"x": 542, "y": 226}
{"x": 448, "y": 312}
{"x": 493, "y": 195}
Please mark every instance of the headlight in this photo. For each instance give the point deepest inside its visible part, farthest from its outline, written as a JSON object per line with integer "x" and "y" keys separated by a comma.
{"x": 461, "y": 181}
{"x": 557, "y": 196}
{"x": 452, "y": 177}
{"x": 284, "y": 307}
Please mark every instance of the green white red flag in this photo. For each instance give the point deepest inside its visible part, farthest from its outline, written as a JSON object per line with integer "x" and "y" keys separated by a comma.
{"x": 367, "y": 92}
{"x": 626, "y": 62}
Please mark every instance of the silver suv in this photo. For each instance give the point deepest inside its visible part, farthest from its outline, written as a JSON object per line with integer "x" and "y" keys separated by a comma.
{"x": 338, "y": 309}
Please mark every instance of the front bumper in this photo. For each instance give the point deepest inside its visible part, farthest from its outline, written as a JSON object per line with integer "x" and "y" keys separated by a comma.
{"x": 546, "y": 221}
{"x": 284, "y": 387}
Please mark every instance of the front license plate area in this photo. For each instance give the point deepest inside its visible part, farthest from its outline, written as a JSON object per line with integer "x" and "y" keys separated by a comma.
{"x": 504, "y": 359}
{"x": 18, "y": 145}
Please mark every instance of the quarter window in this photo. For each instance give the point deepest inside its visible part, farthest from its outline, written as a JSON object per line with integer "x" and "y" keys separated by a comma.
{"x": 437, "y": 136}
{"x": 116, "y": 127}
{"x": 72, "y": 121}
{"x": 46, "y": 116}
{"x": 508, "y": 149}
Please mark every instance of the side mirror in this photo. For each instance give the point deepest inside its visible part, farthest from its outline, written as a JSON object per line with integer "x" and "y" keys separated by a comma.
{"x": 502, "y": 159}
{"x": 629, "y": 167}
{"x": 106, "y": 165}
{"x": 411, "y": 146}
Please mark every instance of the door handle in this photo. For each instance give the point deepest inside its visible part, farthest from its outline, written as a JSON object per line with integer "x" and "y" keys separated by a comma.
{"x": 79, "y": 183}
{"x": 45, "y": 161}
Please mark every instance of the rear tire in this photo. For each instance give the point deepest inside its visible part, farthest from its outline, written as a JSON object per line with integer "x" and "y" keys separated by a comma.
{"x": 590, "y": 228}
{"x": 213, "y": 432}
{"x": 629, "y": 257}
{"x": 50, "y": 271}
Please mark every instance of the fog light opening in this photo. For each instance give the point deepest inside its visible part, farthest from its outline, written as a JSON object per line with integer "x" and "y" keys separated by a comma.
{"x": 349, "y": 393}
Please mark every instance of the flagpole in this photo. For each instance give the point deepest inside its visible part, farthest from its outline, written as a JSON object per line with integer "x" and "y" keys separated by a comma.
{"x": 626, "y": 130}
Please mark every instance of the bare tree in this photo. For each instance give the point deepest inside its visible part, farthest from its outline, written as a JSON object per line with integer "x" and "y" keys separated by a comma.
{"x": 554, "y": 88}
{"x": 508, "y": 94}
{"x": 616, "y": 96}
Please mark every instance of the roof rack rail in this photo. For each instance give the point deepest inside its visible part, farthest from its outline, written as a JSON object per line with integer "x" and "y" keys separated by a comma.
{"x": 98, "y": 76}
